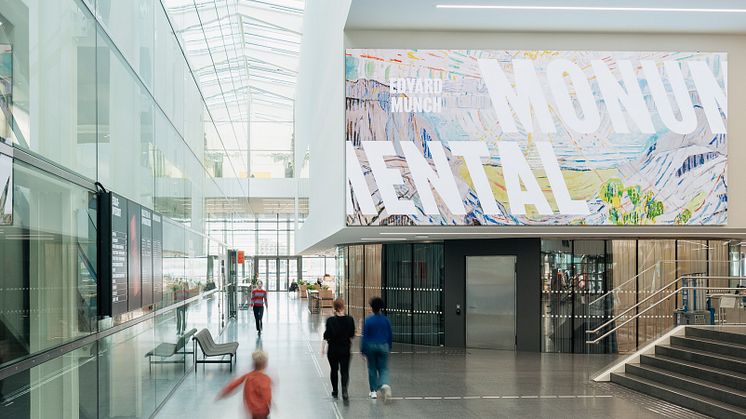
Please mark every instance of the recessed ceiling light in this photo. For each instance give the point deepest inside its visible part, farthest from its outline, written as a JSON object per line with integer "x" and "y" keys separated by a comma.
{"x": 589, "y": 8}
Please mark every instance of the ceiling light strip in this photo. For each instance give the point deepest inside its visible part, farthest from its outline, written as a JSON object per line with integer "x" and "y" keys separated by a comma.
{"x": 566, "y": 233}
{"x": 589, "y": 8}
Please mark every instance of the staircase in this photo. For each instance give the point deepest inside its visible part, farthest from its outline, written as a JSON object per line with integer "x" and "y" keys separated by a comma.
{"x": 704, "y": 370}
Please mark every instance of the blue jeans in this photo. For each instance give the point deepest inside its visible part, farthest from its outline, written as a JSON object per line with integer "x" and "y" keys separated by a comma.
{"x": 377, "y": 355}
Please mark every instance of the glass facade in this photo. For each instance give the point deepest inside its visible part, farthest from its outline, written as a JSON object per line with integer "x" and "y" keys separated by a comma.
{"x": 102, "y": 92}
{"x": 409, "y": 277}
{"x": 245, "y": 55}
{"x": 585, "y": 283}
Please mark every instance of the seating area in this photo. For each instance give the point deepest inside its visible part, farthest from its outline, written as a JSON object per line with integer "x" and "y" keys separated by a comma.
{"x": 210, "y": 349}
{"x": 167, "y": 350}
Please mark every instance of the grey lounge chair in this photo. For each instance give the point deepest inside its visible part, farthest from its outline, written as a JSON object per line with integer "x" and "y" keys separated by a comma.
{"x": 212, "y": 349}
{"x": 167, "y": 350}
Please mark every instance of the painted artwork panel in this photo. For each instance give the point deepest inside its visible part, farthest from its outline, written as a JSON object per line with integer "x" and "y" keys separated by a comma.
{"x": 491, "y": 137}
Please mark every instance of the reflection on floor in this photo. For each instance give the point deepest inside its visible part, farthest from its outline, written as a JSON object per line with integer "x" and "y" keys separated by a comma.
{"x": 427, "y": 382}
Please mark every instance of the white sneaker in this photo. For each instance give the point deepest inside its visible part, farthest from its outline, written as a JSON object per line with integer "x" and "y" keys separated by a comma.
{"x": 373, "y": 395}
{"x": 386, "y": 391}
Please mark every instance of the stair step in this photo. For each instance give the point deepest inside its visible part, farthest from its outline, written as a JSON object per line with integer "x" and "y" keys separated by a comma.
{"x": 711, "y": 359}
{"x": 709, "y": 345}
{"x": 693, "y": 401}
{"x": 726, "y": 377}
{"x": 705, "y": 388}
{"x": 717, "y": 334}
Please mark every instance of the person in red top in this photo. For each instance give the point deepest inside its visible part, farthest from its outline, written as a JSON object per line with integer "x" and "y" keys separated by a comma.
{"x": 257, "y": 388}
{"x": 259, "y": 302}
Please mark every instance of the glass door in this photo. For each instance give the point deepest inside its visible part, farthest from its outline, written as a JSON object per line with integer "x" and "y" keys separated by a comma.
{"x": 282, "y": 275}
{"x": 292, "y": 270}
{"x": 272, "y": 273}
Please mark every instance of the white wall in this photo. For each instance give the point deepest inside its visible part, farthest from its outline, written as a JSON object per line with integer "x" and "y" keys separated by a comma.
{"x": 319, "y": 117}
{"x": 330, "y": 188}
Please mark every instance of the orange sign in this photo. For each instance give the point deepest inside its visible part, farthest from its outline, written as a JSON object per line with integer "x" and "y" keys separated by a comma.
{"x": 241, "y": 257}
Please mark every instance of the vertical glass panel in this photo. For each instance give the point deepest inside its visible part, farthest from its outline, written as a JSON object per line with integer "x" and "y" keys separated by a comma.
{"x": 373, "y": 282}
{"x": 656, "y": 273}
{"x": 427, "y": 288}
{"x": 130, "y": 23}
{"x": 48, "y": 255}
{"x": 691, "y": 257}
{"x": 171, "y": 197}
{"x": 589, "y": 283}
{"x": 341, "y": 276}
{"x": 356, "y": 304}
{"x": 556, "y": 295}
{"x": 398, "y": 290}
{"x": 165, "y": 62}
{"x": 624, "y": 285}
{"x": 169, "y": 363}
{"x": 65, "y": 387}
{"x": 126, "y": 128}
{"x": 53, "y": 77}
{"x": 126, "y": 383}
{"x": 283, "y": 272}
{"x": 717, "y": 257}
{"x": 174, "y": 270}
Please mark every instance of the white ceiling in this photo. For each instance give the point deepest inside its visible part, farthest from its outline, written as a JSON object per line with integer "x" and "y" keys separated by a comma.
{"x": 423, "y": 15}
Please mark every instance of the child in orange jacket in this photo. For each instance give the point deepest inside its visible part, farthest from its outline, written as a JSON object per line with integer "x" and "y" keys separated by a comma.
{"x": 257, "y": 388}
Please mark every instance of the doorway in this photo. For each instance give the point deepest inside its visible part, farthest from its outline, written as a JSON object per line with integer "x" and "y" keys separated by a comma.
{"x": 277, "y": 272}
{"x": 490, "y": 302}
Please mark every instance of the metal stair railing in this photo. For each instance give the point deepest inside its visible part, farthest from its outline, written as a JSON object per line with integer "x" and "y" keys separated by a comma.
{"x": 669, "y": 294}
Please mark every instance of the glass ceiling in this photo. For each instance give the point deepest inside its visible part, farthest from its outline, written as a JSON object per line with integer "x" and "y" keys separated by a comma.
{"x": 244, "y": 53}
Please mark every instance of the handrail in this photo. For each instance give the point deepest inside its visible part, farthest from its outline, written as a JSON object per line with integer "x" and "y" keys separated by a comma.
{"x": 654, "y": 305}
{"x": 664, "y": 288}
{"x": 655, "y": 265}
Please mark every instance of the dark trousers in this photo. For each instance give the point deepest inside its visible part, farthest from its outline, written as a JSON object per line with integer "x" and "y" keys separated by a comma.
{"x": 339, "y": 361}
{"x": 181, "y": 320}
{"x": 258, "y": 314}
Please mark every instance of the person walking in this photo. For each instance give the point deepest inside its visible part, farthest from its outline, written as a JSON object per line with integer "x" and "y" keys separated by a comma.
{"x": 257, "y": 388}
{"x": 340, "y": 329}
{"x": 375, "y": 346}
{"x": 259, "y": 303}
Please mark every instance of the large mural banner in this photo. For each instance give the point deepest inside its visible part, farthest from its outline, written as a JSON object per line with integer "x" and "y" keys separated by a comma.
{"x": 475, "y": 137}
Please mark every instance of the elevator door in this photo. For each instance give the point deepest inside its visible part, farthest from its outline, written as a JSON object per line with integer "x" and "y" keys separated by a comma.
{"x": 490, "y": 302}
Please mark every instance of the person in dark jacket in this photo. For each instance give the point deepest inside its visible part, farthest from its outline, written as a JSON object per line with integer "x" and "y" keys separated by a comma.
{"x": 340, "y": 329}
{"x": 375, "y": 346}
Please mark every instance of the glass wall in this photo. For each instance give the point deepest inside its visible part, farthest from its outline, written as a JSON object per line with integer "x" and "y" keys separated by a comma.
{"x": 585, "y": 283}
{"x": 102, "y": 92}
{"x": 408, "y": 276}
{"x": 120, "y": 375}
{"x": 48, "y": 259}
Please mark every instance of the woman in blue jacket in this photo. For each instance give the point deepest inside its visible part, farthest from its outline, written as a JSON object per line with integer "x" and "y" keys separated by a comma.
{"x": 375, "y": 346}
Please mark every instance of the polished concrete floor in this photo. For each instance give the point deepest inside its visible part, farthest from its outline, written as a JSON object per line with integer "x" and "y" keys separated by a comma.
{"x": 427, "y": 382}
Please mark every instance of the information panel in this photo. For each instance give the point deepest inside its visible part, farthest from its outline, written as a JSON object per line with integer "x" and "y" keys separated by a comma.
{"x": 146, "y": 255}
{"x": 118, "y": 253}
{"x": 157, "y": 258}
{"x": 131, "y": 257}
{"x": 134, "y": 272}
{"x": 496, "y": 137}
